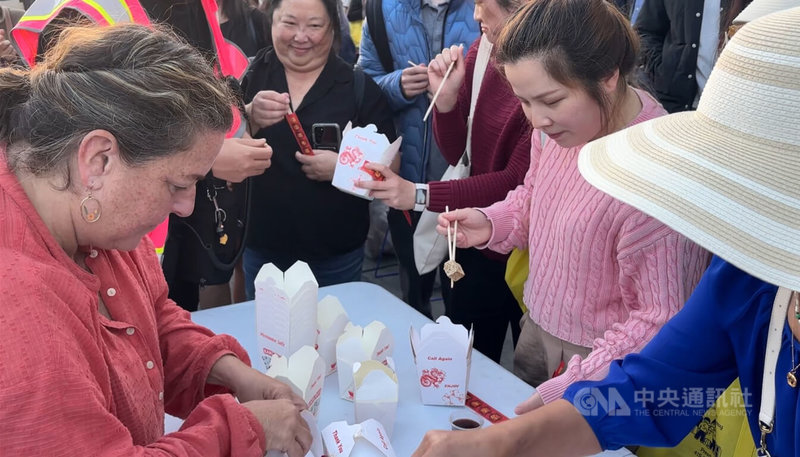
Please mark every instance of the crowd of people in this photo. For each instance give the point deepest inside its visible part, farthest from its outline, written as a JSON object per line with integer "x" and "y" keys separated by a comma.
{"x": 663, "y": 249}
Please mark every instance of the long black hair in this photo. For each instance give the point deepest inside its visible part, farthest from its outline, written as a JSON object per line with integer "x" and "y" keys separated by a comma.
{"x": 234, "y": 9}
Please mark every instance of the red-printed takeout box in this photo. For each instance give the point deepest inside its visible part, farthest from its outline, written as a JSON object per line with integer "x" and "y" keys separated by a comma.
{"x": 304, "y": 372}
{"x": 367, "y": 439}
{"x": 286, "y": 310}
{"x": 376, "y": 393}
{"x": 360, "y": 146}
{"x": 356, "y": 344}
{"x": 331, "y": 322}
{"x": 442, "y": 353}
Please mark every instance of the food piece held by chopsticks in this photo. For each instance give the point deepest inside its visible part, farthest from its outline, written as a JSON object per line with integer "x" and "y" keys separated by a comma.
{"x": 452, "y": 269}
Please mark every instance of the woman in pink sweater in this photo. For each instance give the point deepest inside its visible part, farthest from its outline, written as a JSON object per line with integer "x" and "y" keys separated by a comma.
{"x": 604, "y": 277}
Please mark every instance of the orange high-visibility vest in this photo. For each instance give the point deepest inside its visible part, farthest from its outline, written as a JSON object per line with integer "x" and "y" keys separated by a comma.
{"x": 232, "y": 62}
{"x": 40, "y": 13}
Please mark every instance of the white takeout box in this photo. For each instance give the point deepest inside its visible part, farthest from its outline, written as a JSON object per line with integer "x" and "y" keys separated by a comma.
{"x": 367, "y": 439}
{"x": 376, "y": 393}
{"x": 442, "y": 353}
{"x": 316, "y": 443}
{"x": 373, "y": 342}
{"x": 331, "y": 321}
{"x": 286, "y": 310}
{"x": 304, "y": 372}
{"x": 359, "y": 146}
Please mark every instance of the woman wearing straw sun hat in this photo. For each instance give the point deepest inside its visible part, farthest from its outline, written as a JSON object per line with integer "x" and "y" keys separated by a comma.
{"x": 728, "y": 177}
{"x": 757, "y": 9}
{"x": 760, "y": 8}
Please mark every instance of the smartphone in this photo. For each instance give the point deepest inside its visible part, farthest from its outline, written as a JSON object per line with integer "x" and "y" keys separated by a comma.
{"x": 326, "y": 136}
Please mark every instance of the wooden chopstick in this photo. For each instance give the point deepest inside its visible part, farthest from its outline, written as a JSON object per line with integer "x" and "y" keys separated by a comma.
{"x": 450, "y": 241}
{"x": 436, "y": 95}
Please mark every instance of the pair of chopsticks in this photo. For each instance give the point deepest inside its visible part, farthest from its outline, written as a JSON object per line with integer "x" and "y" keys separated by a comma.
{"x": 436, "y": 95}
{"x": 451, "y": 241}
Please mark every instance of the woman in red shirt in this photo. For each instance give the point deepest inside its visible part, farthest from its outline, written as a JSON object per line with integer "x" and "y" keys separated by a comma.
{"x": 98, "y": 144}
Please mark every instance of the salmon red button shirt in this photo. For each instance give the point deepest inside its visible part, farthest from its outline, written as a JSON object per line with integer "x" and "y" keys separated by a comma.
{"x": 73, "y": 382}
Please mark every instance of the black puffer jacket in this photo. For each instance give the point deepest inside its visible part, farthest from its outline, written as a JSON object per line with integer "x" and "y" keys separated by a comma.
{"x": 670, "y": 33}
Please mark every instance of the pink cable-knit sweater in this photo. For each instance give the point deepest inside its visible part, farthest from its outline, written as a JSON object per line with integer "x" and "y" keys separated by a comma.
{"x": 602, "y": 274}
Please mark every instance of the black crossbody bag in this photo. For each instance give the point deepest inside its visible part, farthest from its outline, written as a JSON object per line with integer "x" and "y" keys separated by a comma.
{"x": 204, "y": 247}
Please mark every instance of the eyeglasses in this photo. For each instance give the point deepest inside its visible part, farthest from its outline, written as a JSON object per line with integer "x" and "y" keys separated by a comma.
{"x": 313, "y": 29}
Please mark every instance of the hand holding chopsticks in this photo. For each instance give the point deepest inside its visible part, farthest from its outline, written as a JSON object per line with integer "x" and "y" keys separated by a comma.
{"x": 414, "y": 80}
{"x": 446, "y": 75}
{"x": 438, "y": 91}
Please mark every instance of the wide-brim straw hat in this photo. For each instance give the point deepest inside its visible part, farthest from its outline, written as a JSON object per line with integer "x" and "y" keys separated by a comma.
{"x": 759, "y": 8}
{"x": 726, "y": 176}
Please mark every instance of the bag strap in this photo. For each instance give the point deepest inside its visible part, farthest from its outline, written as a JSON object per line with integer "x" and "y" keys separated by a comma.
{"x": 251, "y": 28}
{"x": 358, "y": 87}
{"x": 377, "y": 30}
{"x": 481, "y": 62}
{"x": 766, "y": 414}
{"x": 8, "y": 21}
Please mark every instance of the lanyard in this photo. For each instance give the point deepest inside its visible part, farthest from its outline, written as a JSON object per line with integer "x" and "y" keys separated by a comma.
{"x": 766, "y": 414}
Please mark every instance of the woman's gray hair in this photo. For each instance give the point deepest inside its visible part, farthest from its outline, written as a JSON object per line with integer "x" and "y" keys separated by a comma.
{"x": 150, "y": 89}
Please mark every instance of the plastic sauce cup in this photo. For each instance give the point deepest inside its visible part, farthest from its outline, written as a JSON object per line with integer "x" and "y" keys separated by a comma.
{"x": 465, "y": 420}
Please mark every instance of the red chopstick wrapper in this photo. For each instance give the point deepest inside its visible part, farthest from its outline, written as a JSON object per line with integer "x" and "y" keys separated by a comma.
{"x": 479, "y": 406}
{"x": 299, "y": 134}
{"x": 376, "y": 175}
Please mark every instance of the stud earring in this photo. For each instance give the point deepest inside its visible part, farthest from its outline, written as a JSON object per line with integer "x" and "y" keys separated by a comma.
{"x": 90, "y": 209}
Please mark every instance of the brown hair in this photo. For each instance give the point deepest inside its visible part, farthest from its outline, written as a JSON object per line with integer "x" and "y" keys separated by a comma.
{"x": 146, "y": 86}
{"x": 579, "y": 42}
{"x": 510, "y": 5}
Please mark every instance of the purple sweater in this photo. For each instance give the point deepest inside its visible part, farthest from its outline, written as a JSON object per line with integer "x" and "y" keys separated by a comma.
{"x": 602, "y": 274}
{"x": 501, "y": 143}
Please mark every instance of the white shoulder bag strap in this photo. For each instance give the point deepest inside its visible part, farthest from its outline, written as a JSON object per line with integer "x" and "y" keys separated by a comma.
{"x": 481, "y": 62}
{"x": 766, "y": 414}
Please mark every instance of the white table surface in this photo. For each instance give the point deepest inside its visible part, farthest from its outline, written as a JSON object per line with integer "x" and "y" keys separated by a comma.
{"x": 365, "y": 302}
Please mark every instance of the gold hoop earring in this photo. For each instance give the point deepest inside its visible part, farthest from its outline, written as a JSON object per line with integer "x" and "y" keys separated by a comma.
{"x": 90, "y": 209}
